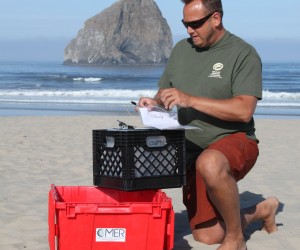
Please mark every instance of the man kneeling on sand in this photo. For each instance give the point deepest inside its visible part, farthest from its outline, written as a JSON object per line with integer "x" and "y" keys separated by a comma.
{"x": 215, "y": 80}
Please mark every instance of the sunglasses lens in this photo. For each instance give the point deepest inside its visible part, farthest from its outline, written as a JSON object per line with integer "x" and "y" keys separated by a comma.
{"x": 185, "y": 24}
{"x": 198, "y": 23}
{"x": 193, "y": 25}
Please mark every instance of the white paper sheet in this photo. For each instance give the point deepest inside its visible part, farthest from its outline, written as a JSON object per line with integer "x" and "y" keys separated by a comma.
{"x": 160, "y": 118}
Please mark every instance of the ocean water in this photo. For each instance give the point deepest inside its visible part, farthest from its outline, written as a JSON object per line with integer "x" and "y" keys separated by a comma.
{"x": 46, "y": 88}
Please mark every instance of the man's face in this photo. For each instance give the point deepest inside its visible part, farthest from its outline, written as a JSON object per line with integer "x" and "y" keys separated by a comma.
{"x": 199, "y": 24}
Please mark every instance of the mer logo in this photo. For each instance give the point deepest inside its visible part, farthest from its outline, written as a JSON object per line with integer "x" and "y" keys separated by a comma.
{"x": 110, "y": 234}
{"x": 216, "y": 72}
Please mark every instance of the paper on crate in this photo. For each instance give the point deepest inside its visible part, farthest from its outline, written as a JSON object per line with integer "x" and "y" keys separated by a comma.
{"x": 161, "y": 118}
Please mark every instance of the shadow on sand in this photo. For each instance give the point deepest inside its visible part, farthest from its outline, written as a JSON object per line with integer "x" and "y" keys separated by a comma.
{"x": 182, "y": 228}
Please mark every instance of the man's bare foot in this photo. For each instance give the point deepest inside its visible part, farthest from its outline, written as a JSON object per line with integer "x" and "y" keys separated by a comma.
{"x": 233, "y": 245}
{"x": 270, "y": 205}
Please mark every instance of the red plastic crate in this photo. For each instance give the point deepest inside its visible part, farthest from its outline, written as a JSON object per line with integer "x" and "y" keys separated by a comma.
{"x": 83, "y": 218}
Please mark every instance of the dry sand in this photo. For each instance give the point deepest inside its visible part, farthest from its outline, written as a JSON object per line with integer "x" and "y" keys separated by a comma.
{"x": 38, "y": 151}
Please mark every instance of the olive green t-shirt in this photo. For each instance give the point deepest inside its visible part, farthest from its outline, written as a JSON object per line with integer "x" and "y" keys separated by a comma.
{"x": 229, "y": 68}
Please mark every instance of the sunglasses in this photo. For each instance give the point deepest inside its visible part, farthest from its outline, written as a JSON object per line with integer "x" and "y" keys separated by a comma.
{"x": 197, "y": 23}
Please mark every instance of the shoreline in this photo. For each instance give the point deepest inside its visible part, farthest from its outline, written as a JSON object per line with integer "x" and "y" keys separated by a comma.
{"x": 16, "y": 110}
{"x": 13, "y": 109}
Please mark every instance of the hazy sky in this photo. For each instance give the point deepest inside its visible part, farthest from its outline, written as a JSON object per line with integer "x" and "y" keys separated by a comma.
{"x": 57, "y": 21}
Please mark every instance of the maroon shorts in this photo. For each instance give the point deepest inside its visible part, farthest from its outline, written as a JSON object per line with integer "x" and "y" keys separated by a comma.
{"x": 241, "y": 154}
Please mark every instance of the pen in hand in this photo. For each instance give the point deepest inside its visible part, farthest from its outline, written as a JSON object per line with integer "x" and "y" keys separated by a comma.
{"x": 135, "y": 104}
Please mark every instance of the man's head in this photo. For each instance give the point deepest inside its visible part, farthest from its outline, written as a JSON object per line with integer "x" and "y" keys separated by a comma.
{"x": 210, "y": 5}
{"x": 203, "y": 20}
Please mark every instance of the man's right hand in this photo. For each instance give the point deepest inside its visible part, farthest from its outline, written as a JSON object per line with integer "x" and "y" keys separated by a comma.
{"x": 147, "y": 102}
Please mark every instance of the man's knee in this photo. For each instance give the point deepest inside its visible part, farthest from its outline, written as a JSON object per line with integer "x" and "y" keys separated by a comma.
{"x": 205, "y": 238}
{"x": 211, "y": 165}
{"x": 209, "y": 233}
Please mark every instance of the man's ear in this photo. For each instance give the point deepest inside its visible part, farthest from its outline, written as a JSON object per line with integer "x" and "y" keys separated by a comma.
{"x": 217, "y": 18}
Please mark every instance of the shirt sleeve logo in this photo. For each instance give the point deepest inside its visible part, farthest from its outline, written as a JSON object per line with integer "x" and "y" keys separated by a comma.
{"x": 216, "y": 72}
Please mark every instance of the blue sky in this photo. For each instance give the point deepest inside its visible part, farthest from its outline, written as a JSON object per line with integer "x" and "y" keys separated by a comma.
{"x": 31, "y": 25}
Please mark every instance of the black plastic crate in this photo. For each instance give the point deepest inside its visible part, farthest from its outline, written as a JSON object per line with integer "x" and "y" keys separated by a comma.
{"x": 137, "y": 159}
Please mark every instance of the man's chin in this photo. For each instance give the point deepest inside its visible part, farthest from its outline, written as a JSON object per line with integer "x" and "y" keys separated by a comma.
{"x": 195, "y": 39}
{"x": 197, "y": 42}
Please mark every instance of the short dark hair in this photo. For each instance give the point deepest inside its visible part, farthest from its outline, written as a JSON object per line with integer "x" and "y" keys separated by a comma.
{"x": 209, "y": 5}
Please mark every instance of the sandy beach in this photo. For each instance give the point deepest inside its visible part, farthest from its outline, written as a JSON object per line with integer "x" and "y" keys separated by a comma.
{"x": 38, "y": 151}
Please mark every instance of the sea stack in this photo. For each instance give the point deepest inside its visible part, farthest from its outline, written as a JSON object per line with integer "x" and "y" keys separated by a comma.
{"x": 128, "y": 32}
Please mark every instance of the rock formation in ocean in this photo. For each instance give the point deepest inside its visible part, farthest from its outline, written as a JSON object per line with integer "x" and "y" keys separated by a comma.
{"x": 128, "y": 32}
